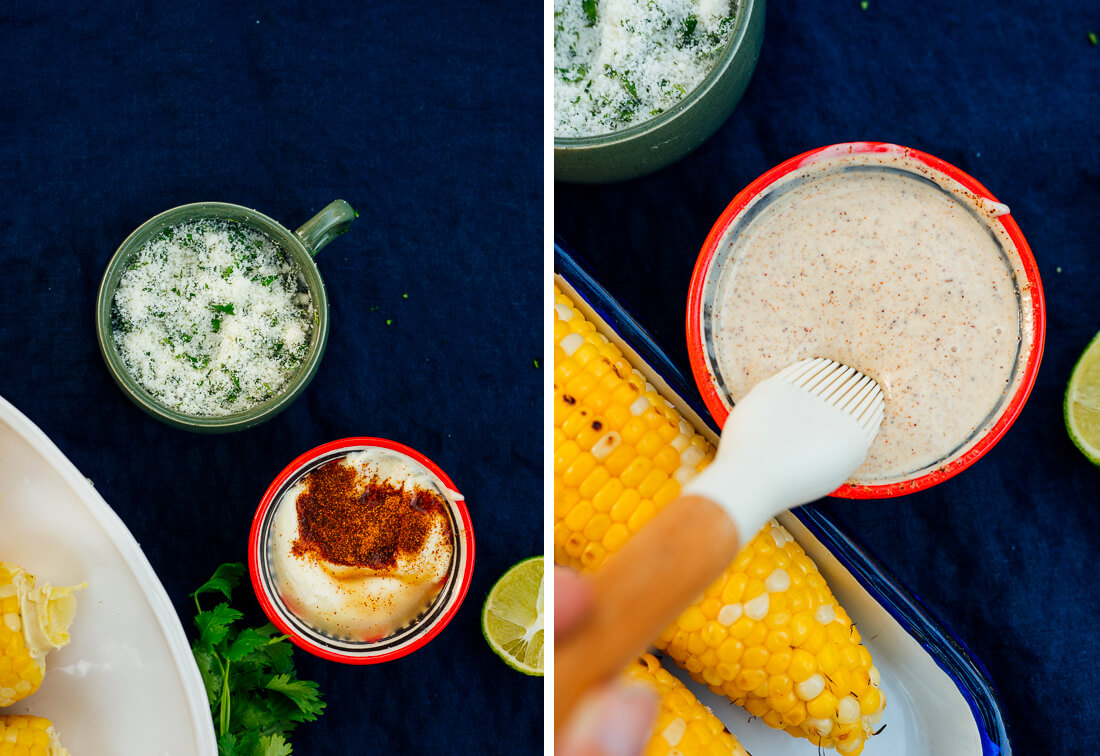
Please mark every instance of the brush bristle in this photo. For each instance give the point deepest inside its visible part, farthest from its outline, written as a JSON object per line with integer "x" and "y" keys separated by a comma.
{"x": 844, "y": 387}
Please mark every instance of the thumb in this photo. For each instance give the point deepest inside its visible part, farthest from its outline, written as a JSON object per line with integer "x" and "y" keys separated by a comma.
{"x": 615, "y": 720}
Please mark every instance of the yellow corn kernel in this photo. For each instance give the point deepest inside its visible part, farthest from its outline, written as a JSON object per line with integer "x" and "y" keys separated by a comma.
{"x": 652, "y": 482}
{"x": 668, "y": 491}
{"x": 649, "y": 444}
{"x": 822, "y": 707}
{"x": 615, "y": 537}
{"x": 714, "y": 634}
{"x": 606, "y": 497}
{"x": 666, "y": 459}
{"x": 23, "y": 735}
{"x": 777, "y": 663}
{"x": 642, "y": 514}
{"x": 711, "y": 607}
{"x": 579, "y": 515}
{"x": 691, "y": 620}
{"x": 635, "y": 472}
{"x": 596, "y": 527}
{"x": 593, "y": 556}
{"x": 618, "y": 460}
{"x": 593, "y": 482}
{"x": 21, "y": 671}
{"x": 564, "y": 455}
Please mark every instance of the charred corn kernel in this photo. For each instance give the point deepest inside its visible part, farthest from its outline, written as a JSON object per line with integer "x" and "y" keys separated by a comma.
{"x": 683, "y": 726}
{"x": 768, "y": 633}
{"x": 34, "y": 619}
{"x": 635, "y": 473}
{"x": 593, "y": 556}
{"x": 29, "y": 736}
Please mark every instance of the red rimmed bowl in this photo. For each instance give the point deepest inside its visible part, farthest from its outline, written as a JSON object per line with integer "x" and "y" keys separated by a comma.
{"x": 720, "y": 246}
{"x": 302, "y": 632}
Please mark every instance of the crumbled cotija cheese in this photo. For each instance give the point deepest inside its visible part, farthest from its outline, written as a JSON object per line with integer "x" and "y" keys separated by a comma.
{"x": 212, "y": 318}
{"x": 621, "y": 62}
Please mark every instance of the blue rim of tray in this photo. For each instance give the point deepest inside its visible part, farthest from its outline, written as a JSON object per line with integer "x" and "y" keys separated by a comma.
{"x": 947, "y": 650}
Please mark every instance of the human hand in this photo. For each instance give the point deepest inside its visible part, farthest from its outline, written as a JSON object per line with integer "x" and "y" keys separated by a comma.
{"x": 613, "y": 720}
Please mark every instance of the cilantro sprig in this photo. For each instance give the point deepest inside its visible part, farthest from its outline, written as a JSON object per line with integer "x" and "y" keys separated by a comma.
{"x": 253, "y": 690}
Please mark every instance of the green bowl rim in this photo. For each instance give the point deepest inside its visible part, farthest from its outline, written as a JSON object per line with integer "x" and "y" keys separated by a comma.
{"x": 733, "y": 47}
{"x": 221, "y": 423}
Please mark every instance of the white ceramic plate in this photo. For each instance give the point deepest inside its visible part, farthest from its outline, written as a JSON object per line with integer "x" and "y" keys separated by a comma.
{"x": 126, "y": 683}
{"x": 938, "y": 700}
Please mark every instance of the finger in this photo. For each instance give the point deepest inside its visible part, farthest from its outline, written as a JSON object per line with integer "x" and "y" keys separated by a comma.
{"x": 572, "y": 598}
{"x": 617, "y": 720}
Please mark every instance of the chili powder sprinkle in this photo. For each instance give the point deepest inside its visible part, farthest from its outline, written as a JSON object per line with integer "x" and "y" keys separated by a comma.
{"x": 348, "y": 519}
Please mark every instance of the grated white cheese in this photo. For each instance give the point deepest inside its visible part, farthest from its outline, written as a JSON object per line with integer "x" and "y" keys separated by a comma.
{"x": 212, "y": 318}
{"x": 622, "y": 62}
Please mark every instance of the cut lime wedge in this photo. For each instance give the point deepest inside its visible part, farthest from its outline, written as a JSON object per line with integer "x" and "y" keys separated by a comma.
{"x": 512, "y": 620}
{"x": 1082, "y": 407}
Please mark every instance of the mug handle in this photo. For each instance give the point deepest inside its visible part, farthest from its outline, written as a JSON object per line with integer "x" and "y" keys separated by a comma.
{"x": 326, "y": 225}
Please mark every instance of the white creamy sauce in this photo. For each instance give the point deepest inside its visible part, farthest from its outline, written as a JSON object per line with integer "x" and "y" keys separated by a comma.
{"x": 361, "y": 603}
{"x": 885, "y": 272}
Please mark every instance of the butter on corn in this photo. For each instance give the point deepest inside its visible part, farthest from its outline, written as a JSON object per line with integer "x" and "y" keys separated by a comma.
{"x": 29, "y": 736}
{"x": 34, "y": 619}
{"x": 684, "y": 726}
{"x": 768, "y": 633}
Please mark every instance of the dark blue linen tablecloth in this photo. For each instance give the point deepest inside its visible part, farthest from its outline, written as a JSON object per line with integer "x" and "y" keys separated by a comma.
{"x": 428, "y": 121}
{"x": 1005, "y": 553}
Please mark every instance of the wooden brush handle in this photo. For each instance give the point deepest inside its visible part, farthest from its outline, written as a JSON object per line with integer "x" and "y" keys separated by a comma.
{"x": 639, "y": 591}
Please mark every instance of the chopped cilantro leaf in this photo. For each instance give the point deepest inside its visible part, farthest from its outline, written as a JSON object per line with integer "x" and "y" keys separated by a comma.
{"x": 589, "y": 7}
{"x": 255, "y": 696}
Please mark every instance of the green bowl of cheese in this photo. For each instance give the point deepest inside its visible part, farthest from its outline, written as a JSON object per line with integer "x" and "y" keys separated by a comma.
{"x": 213, "y": 317}
{"x": 639, "y": 84}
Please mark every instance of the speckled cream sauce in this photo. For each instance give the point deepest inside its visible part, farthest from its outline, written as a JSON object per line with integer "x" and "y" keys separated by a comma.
{"x": 891, "y": 274}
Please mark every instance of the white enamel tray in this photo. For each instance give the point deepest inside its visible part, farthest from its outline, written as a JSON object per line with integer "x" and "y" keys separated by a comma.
{"x": 126, "y": 684}
{"x": 939, "y": 700}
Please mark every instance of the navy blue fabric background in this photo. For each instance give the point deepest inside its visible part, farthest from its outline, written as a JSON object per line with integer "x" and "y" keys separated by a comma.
{"x": 429, "y": 122}
{"x": 1004, "y": 553}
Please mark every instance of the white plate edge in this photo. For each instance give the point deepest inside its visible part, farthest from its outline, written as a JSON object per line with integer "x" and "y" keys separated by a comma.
{"x": 133, "y": 556}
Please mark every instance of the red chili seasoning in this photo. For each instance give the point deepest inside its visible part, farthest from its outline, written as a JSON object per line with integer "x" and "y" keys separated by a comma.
{"x": 346, "y": 519}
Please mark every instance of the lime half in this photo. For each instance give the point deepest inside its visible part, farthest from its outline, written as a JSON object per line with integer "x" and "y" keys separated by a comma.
{"x": 1082, "y": 406}
{"x": 512, "y": 618}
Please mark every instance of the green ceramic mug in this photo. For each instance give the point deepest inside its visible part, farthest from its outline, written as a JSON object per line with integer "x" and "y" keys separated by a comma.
{"x": 300, "y": 246}
{"x": 660, "y": 141}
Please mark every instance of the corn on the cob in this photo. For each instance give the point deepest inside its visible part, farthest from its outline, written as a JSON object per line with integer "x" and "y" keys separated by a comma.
{"x": 33, "y": 620}
{"x": 29, "y": 736}
{"x": 768, "y": 633}
{"x": 684, "y": 726}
